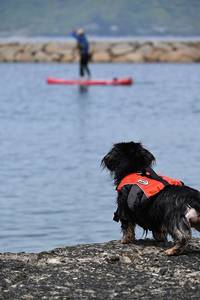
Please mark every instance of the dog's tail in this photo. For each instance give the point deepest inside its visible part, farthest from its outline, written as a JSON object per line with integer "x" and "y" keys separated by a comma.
{"x": 181, "y": 220}
{"x": 193, "y": 211}
{"x": 194, "y": 200}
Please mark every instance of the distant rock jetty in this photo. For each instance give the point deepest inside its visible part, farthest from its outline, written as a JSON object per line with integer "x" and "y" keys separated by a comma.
{"x": 102, "y": 271}
{"x": 102, "y": 51}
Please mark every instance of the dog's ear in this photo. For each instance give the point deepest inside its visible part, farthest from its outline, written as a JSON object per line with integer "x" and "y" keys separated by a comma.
{"x": 112, "y": 158}
{"x": 104, "y": 161}
{"x": 144, "y": 157}
{"x": 108, "y": 162}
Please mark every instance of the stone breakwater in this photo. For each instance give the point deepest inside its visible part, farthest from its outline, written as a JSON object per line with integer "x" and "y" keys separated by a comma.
{"x": 102, "y": 271}
{"x": 101, "y": 51}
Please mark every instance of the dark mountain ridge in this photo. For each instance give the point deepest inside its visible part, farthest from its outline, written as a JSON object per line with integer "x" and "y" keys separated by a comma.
{"x": 100, "y": 18}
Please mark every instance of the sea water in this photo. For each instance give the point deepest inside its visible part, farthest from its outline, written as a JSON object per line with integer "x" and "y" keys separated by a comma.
{"x": 53, "y": 191}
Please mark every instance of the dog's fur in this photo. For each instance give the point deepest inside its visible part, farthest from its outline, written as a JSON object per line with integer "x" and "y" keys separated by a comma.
{"x": 173, "y": 211}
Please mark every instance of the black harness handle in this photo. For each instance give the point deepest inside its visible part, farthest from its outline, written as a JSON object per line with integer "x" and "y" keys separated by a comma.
{"x": 149, "y": 172}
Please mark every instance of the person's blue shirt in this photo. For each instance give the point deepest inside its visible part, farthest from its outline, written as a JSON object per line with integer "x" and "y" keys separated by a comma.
{"x": 82, "y": 42}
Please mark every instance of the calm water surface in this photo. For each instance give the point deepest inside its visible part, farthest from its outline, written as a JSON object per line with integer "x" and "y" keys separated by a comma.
{"x": 52, "y": 189}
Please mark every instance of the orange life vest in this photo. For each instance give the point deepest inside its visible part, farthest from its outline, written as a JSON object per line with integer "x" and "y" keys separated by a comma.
{"x": 149, "y": 186}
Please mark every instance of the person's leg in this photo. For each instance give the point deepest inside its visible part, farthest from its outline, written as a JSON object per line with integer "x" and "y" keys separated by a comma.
{"x": 86, "y": 66}
{"x": 88, "y": 71}
{"x": 81, "y": 66}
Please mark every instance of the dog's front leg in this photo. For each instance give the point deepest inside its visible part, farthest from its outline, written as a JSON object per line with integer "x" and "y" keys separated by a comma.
{"x": 128, "y": 230}
{"x": 123, "y": 214}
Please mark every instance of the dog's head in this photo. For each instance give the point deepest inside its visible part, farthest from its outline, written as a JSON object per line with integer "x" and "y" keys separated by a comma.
{"x": 126, "y": 158}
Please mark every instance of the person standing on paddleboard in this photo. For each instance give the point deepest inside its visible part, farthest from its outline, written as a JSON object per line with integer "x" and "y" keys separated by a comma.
{"x": 83, "y": 47}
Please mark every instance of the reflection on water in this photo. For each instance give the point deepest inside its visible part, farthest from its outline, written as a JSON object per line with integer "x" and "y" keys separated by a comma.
{"x": 53, "y": 191}
{"x": 83, "y": 89}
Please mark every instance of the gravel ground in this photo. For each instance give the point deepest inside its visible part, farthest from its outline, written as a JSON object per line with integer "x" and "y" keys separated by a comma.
{"x": 102, "y": 271}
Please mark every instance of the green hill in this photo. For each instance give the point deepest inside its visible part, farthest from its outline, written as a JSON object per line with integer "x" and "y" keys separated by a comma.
{"x": 100, "y": 17}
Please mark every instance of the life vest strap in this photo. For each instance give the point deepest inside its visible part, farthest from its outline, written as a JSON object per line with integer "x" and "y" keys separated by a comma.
{"x": 150, "y": 173}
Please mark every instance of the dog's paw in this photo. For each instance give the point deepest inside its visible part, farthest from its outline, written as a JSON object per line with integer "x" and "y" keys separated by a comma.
{"x": 171, "y": 251}
{"x": 127, "y": 240}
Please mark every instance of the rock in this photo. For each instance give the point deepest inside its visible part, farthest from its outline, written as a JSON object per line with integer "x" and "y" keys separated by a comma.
{"x": 102, "y": 271}
{"x": 182, "y": 55}
{"x": 23, "y": 57}
{"x": 67, "y": 57}
{"x": 155, "y": 56}
{"x": 9, "y": 51}
{"x": 99, "y": 46}
{"x": 41, "y": 56}
{"x": 120, "y": 49}
{"x": 135, "y": 45}
{"x": 59, "y": 48}
{"x": 179, "y": 45}
{"x": 145, "y": 50}
{"x": 33, "y": 48}
{"x": 103, "y": 51}
{"x": 134, "y": 57}
{"x": 160, "y": 46}
{"x": 192, "y": 53}
{"x": 101, "y": 56}
{"x": 150, "y": 53}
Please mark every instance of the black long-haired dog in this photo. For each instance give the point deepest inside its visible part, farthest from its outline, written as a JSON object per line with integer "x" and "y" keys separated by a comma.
{"x": 173, "y": 210}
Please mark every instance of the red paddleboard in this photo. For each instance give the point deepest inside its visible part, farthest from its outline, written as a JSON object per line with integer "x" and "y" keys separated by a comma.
{"x": 114, "y": 81}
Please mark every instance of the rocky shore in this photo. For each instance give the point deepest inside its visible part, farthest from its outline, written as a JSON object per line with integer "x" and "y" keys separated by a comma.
{"x": 102, "y": 271}
{"x": 102, "y": 51}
